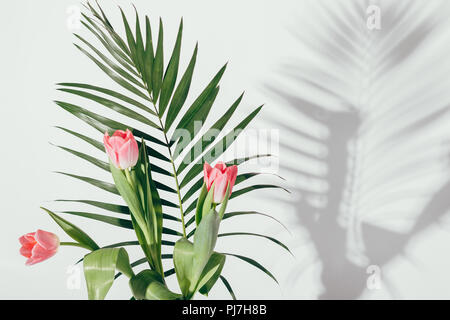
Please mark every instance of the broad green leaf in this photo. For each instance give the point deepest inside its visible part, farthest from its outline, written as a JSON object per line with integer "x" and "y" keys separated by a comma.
{"x": 181, "y": 92}
{"x": 254, "y": 263}
{"x": 256, "y": 235}
{"x": 73, "y": 231}
{"x": 158, "y": 64}
{"x": 136, "y": 263}
{"x": 211, "y": 272}
{"x": 208, "y": 203}
{"x": 206, "y": 139}
{"x": 170, "y": 76}
{"x": 185, "y": 269}
{"x": 228, "y": 286}
{"x": 130, "y": 197}
{"x": 152, "y": 207}
{"x": 200, "y": 203}
{"x": 183, "y": 259}
{"x": 226, "y": 141}
{"x": 149, "y": 285}
{"x": 204, "y": 242}
{"x": 224, "y": 203}
{"x": 99, "y": 269}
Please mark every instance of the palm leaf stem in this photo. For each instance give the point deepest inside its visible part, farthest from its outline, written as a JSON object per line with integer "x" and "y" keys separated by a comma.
{"x": 174, "y": 171}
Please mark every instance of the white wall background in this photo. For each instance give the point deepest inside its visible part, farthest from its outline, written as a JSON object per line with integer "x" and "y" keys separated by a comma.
{"x": 394, "y": 79}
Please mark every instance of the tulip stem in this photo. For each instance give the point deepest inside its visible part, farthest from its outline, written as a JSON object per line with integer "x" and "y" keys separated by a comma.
{"x": 74, "y": 244}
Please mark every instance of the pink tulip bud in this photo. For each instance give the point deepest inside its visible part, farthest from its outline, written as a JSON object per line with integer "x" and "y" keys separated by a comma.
{"x": 122, "y": 149}
{"x": 221, "y": 176}
{"x": 38, "y": 246}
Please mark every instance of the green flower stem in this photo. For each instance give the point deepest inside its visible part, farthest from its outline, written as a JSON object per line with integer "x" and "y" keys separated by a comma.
{"x": 74, "y": 244}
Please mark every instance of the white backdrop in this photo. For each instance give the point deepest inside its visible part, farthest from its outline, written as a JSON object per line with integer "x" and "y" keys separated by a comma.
{"x": 322, "y": 76}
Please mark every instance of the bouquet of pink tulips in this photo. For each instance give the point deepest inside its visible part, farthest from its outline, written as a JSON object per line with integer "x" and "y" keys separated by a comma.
{"x": 136, "y": 165}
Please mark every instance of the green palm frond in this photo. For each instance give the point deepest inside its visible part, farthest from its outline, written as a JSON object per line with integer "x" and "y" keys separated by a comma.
{"x": 154, "y": 94}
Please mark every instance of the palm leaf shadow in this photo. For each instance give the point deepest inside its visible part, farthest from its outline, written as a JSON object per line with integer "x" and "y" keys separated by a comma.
{"x": 347, "y": 110}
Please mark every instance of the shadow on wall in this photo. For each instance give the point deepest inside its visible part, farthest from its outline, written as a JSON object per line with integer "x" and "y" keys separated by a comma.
{"x": 355, "y": 86}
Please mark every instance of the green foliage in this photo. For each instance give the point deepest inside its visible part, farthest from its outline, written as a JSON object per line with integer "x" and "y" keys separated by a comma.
{"x": 99, "y": 269}
{"x": 151, "y": 96}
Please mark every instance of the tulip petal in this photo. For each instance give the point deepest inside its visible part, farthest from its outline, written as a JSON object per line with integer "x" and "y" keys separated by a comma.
{"x": 121, "y": 134}
{"x": 26, "y": 250}
{"x": 128, "y": 154}
{"x": 221, "y": 166}
{"x": 116, "y": 142}
{"x": 27, "y": 239}
{"x": 232, "y": 174}
{"x": 213, "y": 175}
{"x": 206, "y": 174}
{"x": 110, "y": 150}
{"x": 39, "y": 254}
{"x": 220, "y": 188}
{"x": 47, "y": 240}
{"x": 122, "y": 149}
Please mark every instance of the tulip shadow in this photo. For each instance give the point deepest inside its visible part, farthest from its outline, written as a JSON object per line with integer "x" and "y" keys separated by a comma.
{"x": 345, "y": 243}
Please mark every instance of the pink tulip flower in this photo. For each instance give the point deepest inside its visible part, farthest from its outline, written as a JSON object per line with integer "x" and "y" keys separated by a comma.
{"x": 122, "y": 149}
{"x": 38, "y": 246}
{"x": 221, "y": 176}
